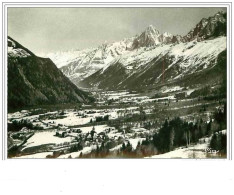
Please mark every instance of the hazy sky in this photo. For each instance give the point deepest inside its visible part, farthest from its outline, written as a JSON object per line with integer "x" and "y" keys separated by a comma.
{"x": 44, "y": 30}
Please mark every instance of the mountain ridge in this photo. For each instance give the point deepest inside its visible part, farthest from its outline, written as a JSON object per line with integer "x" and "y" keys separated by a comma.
{"x": 161, "y": 65}
{"x": 87, "y": 62}
{"x": 34, "y": 80}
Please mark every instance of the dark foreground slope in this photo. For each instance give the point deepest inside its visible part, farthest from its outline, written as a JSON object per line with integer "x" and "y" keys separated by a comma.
{"x": 35, "y": 81}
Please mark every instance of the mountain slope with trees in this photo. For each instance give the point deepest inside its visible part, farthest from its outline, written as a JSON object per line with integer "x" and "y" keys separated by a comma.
{"x": 35, "y": 81}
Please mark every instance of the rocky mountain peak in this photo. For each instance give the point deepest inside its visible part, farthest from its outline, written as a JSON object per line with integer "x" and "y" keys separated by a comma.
{"x": 208, "y": 27}
{"x": 80, "y": 65}
{"x": 167, "y": 34}
{"x": 151, "y": 30}
{"x": 150, "y": 37}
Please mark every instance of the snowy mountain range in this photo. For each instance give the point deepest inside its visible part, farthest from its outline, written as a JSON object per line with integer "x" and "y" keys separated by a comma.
{"x": 130, "y": 59}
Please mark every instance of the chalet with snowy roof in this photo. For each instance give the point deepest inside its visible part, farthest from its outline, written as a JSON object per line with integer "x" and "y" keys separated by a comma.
{"x": 129, "y": 69}
{"x": 61, "y": 133}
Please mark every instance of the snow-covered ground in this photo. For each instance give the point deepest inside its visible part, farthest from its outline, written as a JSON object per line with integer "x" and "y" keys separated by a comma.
{"x": 71, "y": 119}
{"x": 200, "y": 150}
{"x": 192, "y": 50}
{"x": 19, "y": 114}
{"x": 66, "y": 122}
{"x": 133, "y": 142}
{"x": 45, "y": 137}
{"x": 97, "y": 128}
{"x": 85, "y": 150}
{"x": 171, "y": 89}
{"x": 196, "y": 151}
{"x": 37, "y": 155}
{"x": 16, "y": 52}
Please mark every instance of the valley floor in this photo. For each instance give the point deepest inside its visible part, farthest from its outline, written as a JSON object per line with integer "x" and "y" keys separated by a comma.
{"x": 117, "y": 118}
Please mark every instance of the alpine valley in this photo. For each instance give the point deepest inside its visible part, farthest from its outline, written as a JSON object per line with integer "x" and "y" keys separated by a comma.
{"x": 151, "y": 95}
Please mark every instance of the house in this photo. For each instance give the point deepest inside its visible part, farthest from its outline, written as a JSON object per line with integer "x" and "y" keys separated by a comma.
{"x": 61, "y": 133}
{"x": 77, "y": 131}
{"x": 181, "y": 95}
{"x": 129, "y": 69}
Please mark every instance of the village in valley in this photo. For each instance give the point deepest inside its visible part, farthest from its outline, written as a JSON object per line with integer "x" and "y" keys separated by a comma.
{"x": 117, "y": 119}
{"x": 152, "y": 95}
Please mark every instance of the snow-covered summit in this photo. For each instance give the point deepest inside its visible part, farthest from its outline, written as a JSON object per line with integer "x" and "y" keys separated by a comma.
{"x": 151, "y": 31}
{"x": 167, "y": 34}
{"x": 78, "y": 65}
{"x": 151, "y": 37}
{"x": 143, "y": 67}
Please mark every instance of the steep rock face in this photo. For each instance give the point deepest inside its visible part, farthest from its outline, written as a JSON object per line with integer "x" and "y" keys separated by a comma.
{"x": 34, "y": 81}
{"x": 166, "y": 37}
{"x": 151, "y": 37}
{"x": 208, "y": 27}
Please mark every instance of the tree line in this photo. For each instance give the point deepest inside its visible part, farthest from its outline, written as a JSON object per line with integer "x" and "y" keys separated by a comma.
{"x": 173, "y": 133}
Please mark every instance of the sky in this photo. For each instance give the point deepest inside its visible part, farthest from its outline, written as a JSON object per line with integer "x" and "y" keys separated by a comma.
{"x": 46, "y": 30}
